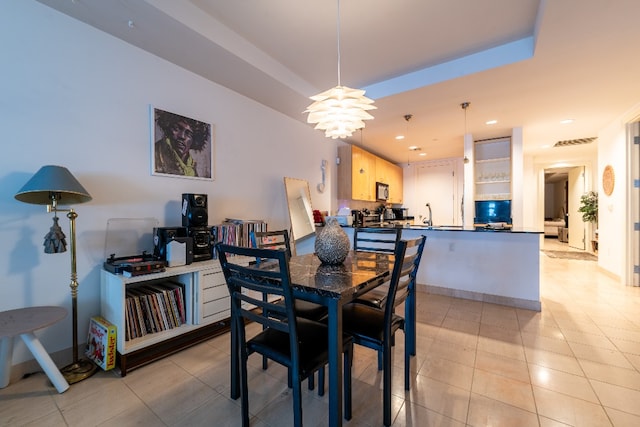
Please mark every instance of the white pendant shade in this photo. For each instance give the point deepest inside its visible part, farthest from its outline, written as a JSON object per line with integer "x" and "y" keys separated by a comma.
{"x": 340, "y": 111}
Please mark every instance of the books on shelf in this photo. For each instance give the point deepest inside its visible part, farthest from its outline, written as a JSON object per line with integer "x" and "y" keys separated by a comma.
{"x": 154, "y": 307}
{"x": 237, "y": 232}
{"x": 101, "y": 342}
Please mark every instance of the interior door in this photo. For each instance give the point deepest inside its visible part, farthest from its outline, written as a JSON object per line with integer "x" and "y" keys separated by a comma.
{"x": 436, "y": 186}
{"x": 577, "y": 227}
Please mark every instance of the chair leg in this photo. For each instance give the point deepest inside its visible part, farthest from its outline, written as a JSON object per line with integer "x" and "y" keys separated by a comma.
{"x": 311, "y": 381}
{"x": 348, "y": 362}
{"x": 245, "y": 389}
{"x": 321, "y": 382}
{"x": 297, "y": 401}
{"x": 386, "y": 383}
{"x": 407, "y": 360}
{"x": 265, "y": 362}
{"x": 379, "y": 360}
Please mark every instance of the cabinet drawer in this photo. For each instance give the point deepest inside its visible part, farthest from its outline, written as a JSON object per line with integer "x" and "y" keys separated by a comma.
{"x": 216, "y": 310}
{"x": 214, "y": 293}
{"x": 211, "y": 279}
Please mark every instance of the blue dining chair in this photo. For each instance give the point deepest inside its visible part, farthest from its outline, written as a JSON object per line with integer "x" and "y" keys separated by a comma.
{"x": 279, "y": 239}
{"x": 301, "y": 345}
{"x": 375, "y": 328}
{"x": 378, "y": 240}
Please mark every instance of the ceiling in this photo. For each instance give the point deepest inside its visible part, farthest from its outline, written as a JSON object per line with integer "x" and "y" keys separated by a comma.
{"x": 525, "y": 63}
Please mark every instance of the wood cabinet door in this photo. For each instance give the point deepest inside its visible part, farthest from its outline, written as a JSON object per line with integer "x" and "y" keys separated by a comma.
{"x": 395, "y": 184}
{"x": 363, "y": 175}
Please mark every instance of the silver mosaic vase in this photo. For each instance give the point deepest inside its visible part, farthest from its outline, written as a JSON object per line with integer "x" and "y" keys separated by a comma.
{"x": 332, "y": 243}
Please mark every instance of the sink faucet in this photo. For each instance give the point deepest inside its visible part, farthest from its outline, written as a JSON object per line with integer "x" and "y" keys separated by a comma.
{"x": 429, "y": 220}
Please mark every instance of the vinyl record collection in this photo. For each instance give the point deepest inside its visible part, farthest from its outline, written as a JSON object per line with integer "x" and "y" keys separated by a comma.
{"x": 154, "y": 307}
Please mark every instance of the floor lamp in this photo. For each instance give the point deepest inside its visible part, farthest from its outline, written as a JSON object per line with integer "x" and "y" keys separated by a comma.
{"x": 53, "y": 186}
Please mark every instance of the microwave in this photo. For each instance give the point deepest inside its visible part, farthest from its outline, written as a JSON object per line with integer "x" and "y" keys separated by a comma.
{"x": 382, "y": 191}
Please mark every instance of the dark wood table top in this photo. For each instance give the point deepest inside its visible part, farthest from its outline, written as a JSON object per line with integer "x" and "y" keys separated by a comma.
{"x": 342, "y": 281}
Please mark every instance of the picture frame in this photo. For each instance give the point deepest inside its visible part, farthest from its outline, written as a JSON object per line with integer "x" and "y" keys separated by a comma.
{"x": 181, "y": 146}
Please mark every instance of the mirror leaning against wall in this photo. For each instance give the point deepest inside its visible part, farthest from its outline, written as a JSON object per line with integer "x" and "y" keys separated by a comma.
{"x": 300, "y": 211}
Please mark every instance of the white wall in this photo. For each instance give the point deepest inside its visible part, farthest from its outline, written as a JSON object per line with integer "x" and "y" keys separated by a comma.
{"x": 612, "y": 210}
{"x": 74, "y": 96}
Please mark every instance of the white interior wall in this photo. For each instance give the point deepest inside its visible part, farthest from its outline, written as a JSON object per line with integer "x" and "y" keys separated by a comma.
{"x": 75, "y": 96}
{"x": 612, "y": 211}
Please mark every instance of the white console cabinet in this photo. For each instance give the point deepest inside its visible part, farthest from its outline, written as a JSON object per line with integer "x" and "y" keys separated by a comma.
{"x": 207, "y": 311}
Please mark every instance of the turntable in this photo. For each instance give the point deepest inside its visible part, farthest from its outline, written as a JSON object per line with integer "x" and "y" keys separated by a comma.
{"x": 127, "y": 236}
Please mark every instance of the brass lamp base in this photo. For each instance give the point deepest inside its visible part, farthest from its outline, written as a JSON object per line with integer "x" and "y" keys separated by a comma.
{"x": 78, "y": 371}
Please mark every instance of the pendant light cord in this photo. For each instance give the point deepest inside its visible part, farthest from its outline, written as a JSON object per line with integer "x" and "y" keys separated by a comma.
{"x": 338, "y": 30}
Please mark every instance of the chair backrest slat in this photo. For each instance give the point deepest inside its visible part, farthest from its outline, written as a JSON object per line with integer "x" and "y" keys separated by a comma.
{"x": 260, "y": 285}
{"x": 372, "y": 239}
{"x": 276, "y": 239}
{"x": 407, "y": 254}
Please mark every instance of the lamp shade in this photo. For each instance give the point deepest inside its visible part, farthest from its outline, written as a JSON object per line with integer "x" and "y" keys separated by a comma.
{"x": 53, "y": 181}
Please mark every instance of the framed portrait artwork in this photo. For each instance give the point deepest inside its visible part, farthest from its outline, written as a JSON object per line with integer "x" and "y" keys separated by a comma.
{"x": 181, "y": 146}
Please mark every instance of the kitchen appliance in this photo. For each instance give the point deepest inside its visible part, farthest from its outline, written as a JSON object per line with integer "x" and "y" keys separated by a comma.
{"x": 401, "y": 213}
{"x": 370, "y": 219}
{"x": 389, "y": 214}
{"x": 382, "y": 192}
{"x": 358, "y": 218}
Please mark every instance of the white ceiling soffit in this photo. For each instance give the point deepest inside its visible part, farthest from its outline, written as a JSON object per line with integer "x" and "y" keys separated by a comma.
{"x": 527, "y": 63}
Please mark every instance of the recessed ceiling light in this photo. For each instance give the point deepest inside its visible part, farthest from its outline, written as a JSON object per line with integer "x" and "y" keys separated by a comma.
{"x": 566, "y": 121}
{"x": 399, "y": 137}
{"x": 546, "y": 146}
{"x": 422, "y": 154}
{"x": 491, "y": 122}
{"x": 414, "y": 148}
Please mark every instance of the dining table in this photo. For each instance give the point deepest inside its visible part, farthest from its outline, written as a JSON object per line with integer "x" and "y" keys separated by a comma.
{"x": 333, "y": 286}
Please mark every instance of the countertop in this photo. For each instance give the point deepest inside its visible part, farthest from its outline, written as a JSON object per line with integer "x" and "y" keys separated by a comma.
{"x": 455, "y": 228}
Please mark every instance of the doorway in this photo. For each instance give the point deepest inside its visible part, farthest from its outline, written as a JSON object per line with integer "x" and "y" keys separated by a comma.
{"x": 563, "y": 187}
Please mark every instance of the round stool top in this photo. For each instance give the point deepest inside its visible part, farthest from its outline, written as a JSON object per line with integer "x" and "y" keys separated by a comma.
{"x": 29, "y": 319}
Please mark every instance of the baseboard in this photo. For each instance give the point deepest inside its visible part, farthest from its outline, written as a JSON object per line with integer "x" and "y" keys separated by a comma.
{"x": 61, "y": 358}
{"x": 478, "y": 296}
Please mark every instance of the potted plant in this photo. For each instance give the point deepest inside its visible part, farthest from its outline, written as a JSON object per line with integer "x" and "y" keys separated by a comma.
{"x": 589, "y": 206}
{"x": 589, "y": 210}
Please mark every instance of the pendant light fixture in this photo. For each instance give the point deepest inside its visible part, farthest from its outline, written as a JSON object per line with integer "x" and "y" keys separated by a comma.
{"x": 339, "y": 111}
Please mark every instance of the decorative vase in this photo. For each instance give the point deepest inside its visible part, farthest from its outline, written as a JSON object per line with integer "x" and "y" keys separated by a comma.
{"x": 332, "y": 244}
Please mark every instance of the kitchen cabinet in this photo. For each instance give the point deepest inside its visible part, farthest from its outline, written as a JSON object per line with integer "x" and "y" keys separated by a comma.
{"x": 363, "y": 175}
{"x": 356, "y": 174}
{"x": 493, "y": 169}
{"x": 391, "y": 174}
{"x": 359, "y": 171}
{"x": 395, "y": 184}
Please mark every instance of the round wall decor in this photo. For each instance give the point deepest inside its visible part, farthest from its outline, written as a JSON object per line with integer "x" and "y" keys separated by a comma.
{"x": 608, "y": 180}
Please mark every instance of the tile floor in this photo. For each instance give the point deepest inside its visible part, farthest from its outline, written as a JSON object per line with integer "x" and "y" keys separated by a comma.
{"x": 575, "y": 363}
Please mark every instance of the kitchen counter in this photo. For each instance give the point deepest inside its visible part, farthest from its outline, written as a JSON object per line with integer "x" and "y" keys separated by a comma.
{"x": 497, "y": 266}
{"x": 405, "y": 225}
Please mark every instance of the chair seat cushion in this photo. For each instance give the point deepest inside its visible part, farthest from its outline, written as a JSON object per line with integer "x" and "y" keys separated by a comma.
{"x": 373, "y": 298}
{"x": 308, "y": 310}
{"x": 364, "y": 321}
{"x": 312, "y": 339}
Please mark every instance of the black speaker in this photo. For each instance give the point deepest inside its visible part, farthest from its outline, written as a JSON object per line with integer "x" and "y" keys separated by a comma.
{"x": 194, "y": 210}
{"x": 202, "y": 245}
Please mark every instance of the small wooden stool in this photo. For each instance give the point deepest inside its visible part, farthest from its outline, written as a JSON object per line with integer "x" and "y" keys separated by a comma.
{"x": 22, "y": 322}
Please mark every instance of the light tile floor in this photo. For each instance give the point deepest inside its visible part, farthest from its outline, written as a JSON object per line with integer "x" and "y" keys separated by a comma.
{"x": 575, "y": 363}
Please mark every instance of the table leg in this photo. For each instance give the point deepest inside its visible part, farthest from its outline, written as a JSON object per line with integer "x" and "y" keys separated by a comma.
{"x": 6, "y": 352}
{"x": 335, "y": 365}
{"x": 45, "y": 361}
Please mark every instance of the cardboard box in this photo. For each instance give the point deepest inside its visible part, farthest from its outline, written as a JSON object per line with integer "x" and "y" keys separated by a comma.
{"x": 101, "y": 342}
